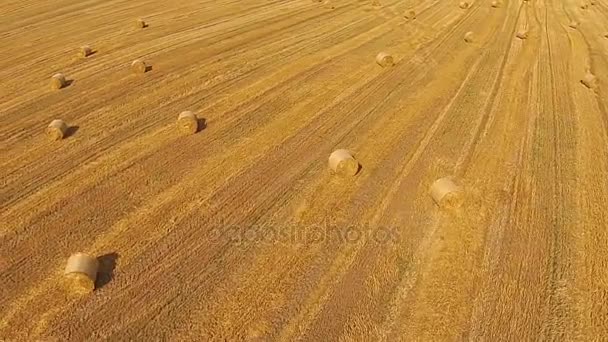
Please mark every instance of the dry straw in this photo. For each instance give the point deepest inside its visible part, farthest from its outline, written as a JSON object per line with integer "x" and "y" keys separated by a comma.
{"x": 187, "y": 122}
{"x": 81, "y": 270}
{"x": 589, "y": 80}
{"x": 522, "y": 35}
{"x": 468, "y": 37}
{"x": 85, "y": 51}
{"x": 385, "y": 59}
{"x": 138, "y": 66}
{"x": 343, "y": 163}
{"x": 58, "y": 81}
{"x": 57, "y": 130}
{"x": 140, "y": 24}
{"x": 445, "y": 192}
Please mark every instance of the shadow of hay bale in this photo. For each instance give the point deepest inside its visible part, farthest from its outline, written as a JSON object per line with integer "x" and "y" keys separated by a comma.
{"x": 105, "y": 273}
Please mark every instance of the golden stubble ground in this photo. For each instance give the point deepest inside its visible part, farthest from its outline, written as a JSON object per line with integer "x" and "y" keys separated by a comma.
{"x": 241, "y": 232}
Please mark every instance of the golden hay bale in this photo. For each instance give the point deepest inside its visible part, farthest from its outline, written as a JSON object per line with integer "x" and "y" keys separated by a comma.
{"x": 573, "y": 25}
{"x": 138, "y": 66}
{"x": 376, "y": 3}
{"x": 58, "y": 81}
{"x": 496, "y": 4}
{"x": 140, "y": 24}
{"x": 445, "y": 192}
{"x": 468, "y": 37}
{"x": 187, "y": 122}
{"x": 81, "y": 270}
{"x": 343, "y": 163}
{"x": 57, "y": 130}
{"x": 463, "y": 4}
{"x": 592, "y": 3}
{"x": 410, "y": 14}
{"x": 584, "y": 6}
{"x": 522, "y": 35}
{"x": 385, "y": 60}
{"x": 589, "y": 80}
{"x": 85, "y": 51}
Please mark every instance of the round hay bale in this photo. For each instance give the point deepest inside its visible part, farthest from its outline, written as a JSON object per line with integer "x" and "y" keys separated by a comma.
{"x": 85, "y": 51}
{"x": 140, "y": 23}
{"x": 343, "y": 163}
{"x": 589, "y": 80}
{"x": 522, "y": 35}
{"x": 495, "y": 4}
{"x": 187, "y": 122}
{"x": 81, "y": 270}
{"x": 376, "y": 3}
{"x": 385, "y": 60}
{"x": 468, "y": 37}
{"x": 57, "y": 130}
{"x": 592, "y": 3}
{"x": 445, "y": 192}
{"x": 58, "y": 81}
{"x": 573, "y": 25}
{"x": 138, "y": 66}
{"x": 464, "y": 4}
{"x": 584, "y": 6}
{"x": 410, "y": 15}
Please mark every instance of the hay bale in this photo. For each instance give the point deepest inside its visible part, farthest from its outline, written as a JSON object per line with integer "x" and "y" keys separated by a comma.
{"x": 410, "y": 15}
{"x": 573, "y": 25}
{"x": 376, "y": 3}
{"x": 385, "y": 60}
{"x": 584, "y": 6}
{"x": 140, "y": 23}
{"x": 343, "y": 163}
{"x": 85, "y": 51}
{"x": 522, "y": 35}
{"x": 187, "y": 122}
{"x": 464, "y": 4}
{"x": 81, "y": 270}
{"x": 445, "y": 192}
{"x": 592, "y": 3}
{"x": 139, "y": 67}
{"x": 57, "y": 130}
{"x": 589, "y": 80}
{"x": 468, "y": 37}
{"x": 495, "y": 4}
{"x": 58, "y": 81}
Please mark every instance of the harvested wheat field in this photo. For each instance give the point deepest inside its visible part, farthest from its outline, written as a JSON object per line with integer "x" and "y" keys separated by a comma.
{"x": 237, "y": 225}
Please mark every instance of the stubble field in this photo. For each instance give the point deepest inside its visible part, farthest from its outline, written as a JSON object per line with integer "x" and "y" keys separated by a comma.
{"x": 241, "y": 232}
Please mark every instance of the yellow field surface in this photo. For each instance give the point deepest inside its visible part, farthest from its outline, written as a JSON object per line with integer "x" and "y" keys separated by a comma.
{"x": 241, "y": 231}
